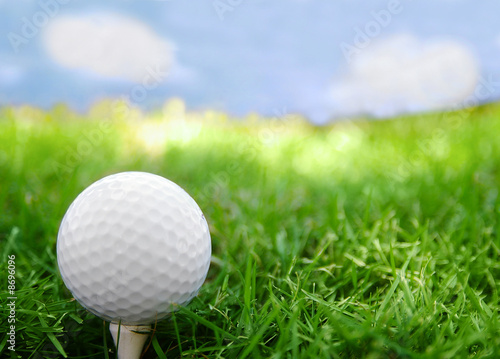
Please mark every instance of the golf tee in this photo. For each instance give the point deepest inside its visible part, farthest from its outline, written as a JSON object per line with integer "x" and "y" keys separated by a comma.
{"x": 131, "y": 340}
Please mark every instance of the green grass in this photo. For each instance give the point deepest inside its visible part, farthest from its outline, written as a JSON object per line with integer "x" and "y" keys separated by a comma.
{"x": 358, "y": 240}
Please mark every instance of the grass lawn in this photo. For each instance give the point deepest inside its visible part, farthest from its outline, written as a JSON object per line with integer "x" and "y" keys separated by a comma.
{"x": 358, "y": 240}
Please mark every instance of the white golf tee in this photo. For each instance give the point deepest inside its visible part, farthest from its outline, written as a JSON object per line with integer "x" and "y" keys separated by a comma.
{"x": 132, "y": 339}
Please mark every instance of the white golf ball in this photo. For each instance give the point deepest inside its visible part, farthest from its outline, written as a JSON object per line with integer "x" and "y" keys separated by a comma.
{"x": 132, "y": 247}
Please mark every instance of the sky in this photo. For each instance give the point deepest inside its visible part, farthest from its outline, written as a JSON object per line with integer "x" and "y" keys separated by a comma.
{"x": 324, "y": 59}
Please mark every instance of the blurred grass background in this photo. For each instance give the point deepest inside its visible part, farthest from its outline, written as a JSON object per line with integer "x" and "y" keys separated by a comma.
{"x": 374, "y": 239}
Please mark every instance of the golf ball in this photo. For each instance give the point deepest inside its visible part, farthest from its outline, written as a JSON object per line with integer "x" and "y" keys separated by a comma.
{"x": 132, "y": 247}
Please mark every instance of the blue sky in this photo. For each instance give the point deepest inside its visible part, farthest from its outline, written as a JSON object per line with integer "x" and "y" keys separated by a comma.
{"x": 323, "y": 58}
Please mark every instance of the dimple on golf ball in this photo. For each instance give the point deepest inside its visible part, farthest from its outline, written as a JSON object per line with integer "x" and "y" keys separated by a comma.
{"x": 132, "y": 247}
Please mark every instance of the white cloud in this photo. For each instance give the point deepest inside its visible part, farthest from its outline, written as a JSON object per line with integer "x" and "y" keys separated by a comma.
{"x": 403, "y": 74}
{"x": 109, "y": 45}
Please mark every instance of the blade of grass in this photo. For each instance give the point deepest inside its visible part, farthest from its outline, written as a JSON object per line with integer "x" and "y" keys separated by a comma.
{"x": 158, "y": 349}
{"x": 52, "y": 337}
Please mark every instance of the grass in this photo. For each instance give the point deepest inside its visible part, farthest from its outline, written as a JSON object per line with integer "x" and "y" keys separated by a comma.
{"x": 357, "y": 240}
